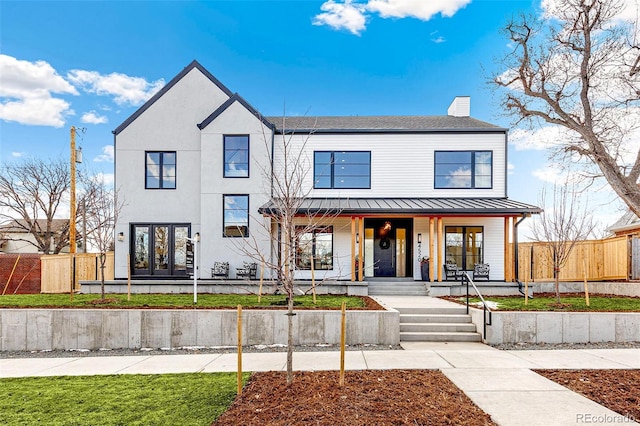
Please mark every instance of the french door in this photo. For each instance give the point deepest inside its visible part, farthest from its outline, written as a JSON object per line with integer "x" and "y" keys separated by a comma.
{"x": 159, "y": 249}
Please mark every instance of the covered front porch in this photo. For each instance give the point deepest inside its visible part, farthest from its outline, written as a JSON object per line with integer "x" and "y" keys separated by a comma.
{"x": 398, "y": 238}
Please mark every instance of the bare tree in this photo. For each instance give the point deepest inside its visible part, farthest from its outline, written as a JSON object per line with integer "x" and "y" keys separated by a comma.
{"x": 30, "y": 195}
{"x": 102, "y": 209}
{"x": 288, "y": 187}
{"x": 561, "y": 226}
{"x": 578, "y": 70}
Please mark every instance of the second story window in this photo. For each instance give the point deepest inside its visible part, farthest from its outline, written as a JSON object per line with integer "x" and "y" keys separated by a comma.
{"x": 463, "y": 169}
{"x": 236, "y": 156}
{"x": 236, "y": 216}
{"x": 160, "y": 170}
{"x": 342, "y": 169}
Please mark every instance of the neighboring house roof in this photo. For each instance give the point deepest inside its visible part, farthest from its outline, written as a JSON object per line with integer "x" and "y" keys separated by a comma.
{"x": 20, "y": 226}
{"x": 235, "y": 98}
{"x": 167, "y": 87}
{"x": 384, "y": 124}
{"x": 628, "y": 221}
{"x": 459, "y": 206}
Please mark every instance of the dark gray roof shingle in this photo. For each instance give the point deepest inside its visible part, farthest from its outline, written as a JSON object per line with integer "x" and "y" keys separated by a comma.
{"x": 392, "y": 123}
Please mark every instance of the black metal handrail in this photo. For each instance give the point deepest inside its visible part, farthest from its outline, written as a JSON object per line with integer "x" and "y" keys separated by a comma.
{"x": 467, "y": 278}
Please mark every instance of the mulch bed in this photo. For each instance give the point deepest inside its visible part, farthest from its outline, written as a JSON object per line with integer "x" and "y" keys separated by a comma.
{"x": 618, "y": 390}
{"x": 380, "y": 397}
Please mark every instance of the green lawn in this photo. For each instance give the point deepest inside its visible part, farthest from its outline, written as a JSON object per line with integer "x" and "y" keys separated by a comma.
{"x": 576, "y": 303}
{"x": 168, "y": 399}
{"x": 175, "y": 300}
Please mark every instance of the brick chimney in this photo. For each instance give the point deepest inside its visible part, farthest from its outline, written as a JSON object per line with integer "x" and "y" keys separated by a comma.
{"x": 460, "y": 107}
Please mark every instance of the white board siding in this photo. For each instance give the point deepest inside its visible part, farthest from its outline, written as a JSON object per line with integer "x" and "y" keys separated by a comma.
{"x": 403, "y": 165}
{"x": 493, "y": 247}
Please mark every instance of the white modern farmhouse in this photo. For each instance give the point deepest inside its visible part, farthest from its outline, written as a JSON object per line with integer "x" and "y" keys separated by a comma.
{"x": 390, "y": 191}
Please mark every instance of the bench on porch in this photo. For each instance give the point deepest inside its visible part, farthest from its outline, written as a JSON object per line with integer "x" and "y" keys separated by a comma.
{"x": 220, "y": 270}
{"x": 451, "y": 271}
{"x": 481, "y": 270}
{"x": 249, "y": 270}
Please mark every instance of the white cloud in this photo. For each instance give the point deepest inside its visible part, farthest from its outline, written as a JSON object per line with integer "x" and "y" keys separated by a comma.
{"x": 104, "y": 178}
{"x": 106, "y": 156}
{"x": 92, "y": 118}
{"x": 125, "y": 89}
{"x": 349, "y": 16}
{"x": 352, "y": 16}
{"x": 538, "y": 139}
{"x": 16, "y": 154}
{"x": 26, "y": 93}
{"x": 420, "y": 9}
{"x": 510, "y": 168}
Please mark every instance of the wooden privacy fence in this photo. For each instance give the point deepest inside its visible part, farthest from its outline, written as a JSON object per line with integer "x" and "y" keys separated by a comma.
{"x": 603, "y": 260}
{"x": 56, "y": 270}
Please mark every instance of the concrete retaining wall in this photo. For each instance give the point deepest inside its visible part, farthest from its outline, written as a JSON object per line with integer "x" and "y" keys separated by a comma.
{"x": 351, "y": 288}
{"x": 614, "y": 287}
{"x": 559, "y": 327}
{"x": 64, "y": 329}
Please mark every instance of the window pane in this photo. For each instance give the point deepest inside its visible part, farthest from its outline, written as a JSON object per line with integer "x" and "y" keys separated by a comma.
{"x": 317, "y": 243}
{"x": 351, "y": 182}
{"x": 236, "y": 156}
{"x": 153, "y": 158}
{"x": 141, "y": 248}
{"x": 180, "y": 248}
{"x": 236, "y": 216}
{"x": 322, "y": 169}
{"x": 169, "y": 158}
{"x": 153, "y": 182}
{"x": 352, "y": 157}
{"x": 161, "y": 248}
{"x": 453, "y": 157}
{"x": 322, "y": 182}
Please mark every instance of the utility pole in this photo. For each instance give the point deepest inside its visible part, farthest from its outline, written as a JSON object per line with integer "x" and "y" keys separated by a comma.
{"x": 72, "y": 215}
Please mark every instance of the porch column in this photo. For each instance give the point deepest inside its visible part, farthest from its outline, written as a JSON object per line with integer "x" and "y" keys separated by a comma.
{"x": 353, "y": 248}
{"x": 361, "y": 250}
{"x": 508, "y": 271}
{"x": 514, "y": 253}
{"x": 441, "y": 249}
{"x": 431, "y": 247}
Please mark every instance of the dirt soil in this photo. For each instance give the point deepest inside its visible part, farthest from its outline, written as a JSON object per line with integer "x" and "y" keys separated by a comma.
{"x": 618, "y": 390}
{"x": 380, "y": 397}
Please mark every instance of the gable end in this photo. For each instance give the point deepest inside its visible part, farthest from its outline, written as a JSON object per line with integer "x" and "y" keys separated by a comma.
{"x": 169, "y": 85}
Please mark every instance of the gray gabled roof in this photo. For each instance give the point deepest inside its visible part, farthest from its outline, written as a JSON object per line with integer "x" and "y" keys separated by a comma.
{"x": 222, "y": 108}
{"x": 382, "y": 124}
{"x": 442, "y": 206}
{"x": 165, "y": 89}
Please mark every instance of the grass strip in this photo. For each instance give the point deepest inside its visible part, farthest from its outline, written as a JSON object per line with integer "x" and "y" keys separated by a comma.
{"x": 571, "y": 303}
{"x": 168, "y": 399}
{"x": 175, "y": 301}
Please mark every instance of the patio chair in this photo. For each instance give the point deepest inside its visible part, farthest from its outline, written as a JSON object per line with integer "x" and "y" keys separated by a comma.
{"x": 220, "y": 270}
{"x": 248, "y": 270}
{"x": 481, "y": 270}
{"x": 451, "y": 271}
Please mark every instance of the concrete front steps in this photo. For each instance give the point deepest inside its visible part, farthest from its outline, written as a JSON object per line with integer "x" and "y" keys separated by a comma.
{"x": 407, "y": 287}
{"x": 450, "y": 324}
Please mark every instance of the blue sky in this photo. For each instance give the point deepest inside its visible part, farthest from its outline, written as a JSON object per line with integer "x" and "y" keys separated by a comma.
{"x": 91, "y": 64}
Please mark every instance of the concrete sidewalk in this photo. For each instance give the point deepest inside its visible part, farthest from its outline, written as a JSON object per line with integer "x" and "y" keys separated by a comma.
{"x": 499, "y": 382}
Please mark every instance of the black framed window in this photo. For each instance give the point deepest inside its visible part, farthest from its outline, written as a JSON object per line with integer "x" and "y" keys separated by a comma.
{"x": 316, "y": 243}
{"x": 160, "y": 170}
{"x": 342, "y": 169}
{"x": 159, "y": 249}
{"x": 464, "y": 245}
{"x": 235, "y": 216}
{"x": 236, "y": 156}
{"x": 463, "y": 169}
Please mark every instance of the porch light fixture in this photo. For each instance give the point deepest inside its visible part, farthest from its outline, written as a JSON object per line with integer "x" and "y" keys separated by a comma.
{"x": 419, "y": 238}
{"x": 197, "y": 237}
{"x": 120, "y": 236}
{"x": 357, "y": 238}
{"x": 387, "y": 226}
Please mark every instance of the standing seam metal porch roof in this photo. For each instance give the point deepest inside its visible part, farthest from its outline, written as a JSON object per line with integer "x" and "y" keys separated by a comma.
{"x": 457, "y": 206}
